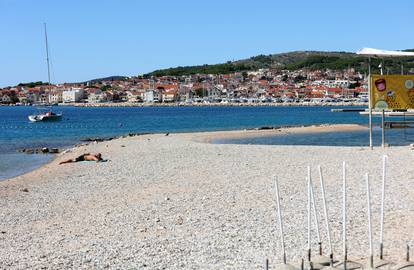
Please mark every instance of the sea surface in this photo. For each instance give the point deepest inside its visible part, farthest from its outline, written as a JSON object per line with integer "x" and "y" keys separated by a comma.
{"x": 16, "y": 132}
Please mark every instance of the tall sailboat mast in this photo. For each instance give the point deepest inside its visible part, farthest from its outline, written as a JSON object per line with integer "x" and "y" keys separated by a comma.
{"x": 47, "y": 55}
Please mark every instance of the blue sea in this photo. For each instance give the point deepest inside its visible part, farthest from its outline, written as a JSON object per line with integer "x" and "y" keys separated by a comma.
{"x": 16, "y": 132}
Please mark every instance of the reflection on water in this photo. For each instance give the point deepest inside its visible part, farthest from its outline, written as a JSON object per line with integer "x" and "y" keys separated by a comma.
{"x": 338, "y": 138}
{"x": 14, "y": 164}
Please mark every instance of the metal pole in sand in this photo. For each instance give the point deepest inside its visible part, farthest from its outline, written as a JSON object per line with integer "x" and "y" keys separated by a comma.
{"x": 384, "y": 173}
{"x": 315, "y": 216}
{"x": 319, "y": 260}
{"x": 371, "y": 250}
{"x": 346, "y": 263}
{"x": 309, "y": 217}
{"x": 345, "y": 250}
{"x": 325, "y": 209}
{"x": 279, "y": 212}
{"x": 283, "y": 266}
{"x": 406, "y": 264}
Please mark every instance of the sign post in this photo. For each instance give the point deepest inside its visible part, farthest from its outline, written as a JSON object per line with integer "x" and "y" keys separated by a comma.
{"x": 389, "y": 91}
{"x": 370, "y": 103}
{"x": 383, "y": 128}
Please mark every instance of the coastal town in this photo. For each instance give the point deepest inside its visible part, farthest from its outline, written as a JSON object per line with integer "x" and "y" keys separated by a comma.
{"x": 263, "y": 86}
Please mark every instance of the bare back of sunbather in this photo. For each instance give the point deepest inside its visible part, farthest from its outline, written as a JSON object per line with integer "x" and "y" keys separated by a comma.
{"x": 85, "y": 157}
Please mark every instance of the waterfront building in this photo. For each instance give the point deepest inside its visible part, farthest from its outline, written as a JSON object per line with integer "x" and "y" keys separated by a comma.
{"x": 134, "y": 96}
{"x": 169, "y": 96}
{"x": 72, "y": 95}
{"x": 152, "y": 96}
{"x": 55, "y": 97}
{"x": 96, "y": 96}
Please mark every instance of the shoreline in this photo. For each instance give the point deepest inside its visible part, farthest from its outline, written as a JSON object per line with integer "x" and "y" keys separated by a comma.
{"x": 202, "y": 136}
{"x": 215, "y": 104}
{"x": 175, "y": 201}
{"x": 201, "y": 104}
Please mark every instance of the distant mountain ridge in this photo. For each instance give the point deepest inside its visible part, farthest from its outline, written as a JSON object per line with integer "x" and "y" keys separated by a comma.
{"x": 292, "y": 61}
{"x": 110, "y": 78}
{"x": 335, "y": 60}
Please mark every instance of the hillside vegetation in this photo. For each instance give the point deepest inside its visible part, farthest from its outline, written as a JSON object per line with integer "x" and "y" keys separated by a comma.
{"x": 311, "y": 60}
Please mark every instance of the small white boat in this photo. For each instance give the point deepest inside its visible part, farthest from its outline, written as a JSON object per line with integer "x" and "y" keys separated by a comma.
{"x": 47, "y": 116}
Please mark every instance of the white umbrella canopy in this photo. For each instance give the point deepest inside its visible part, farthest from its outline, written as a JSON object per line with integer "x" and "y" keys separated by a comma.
{"x": 377, "y": 52}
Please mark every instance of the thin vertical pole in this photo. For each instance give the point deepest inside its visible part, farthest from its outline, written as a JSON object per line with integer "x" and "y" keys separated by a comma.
{"x": 384, "y": 173}
{"x": 309, "y": 214}
{"x": 345, "y": 248}
{"x": 325, "y": 209}
{"x": 371, "y": 250}
{"x": 402, "y": 68}
{"x": 382, "y": 64}
{"x": 370, "y": 103}
{"x": 279, "y": 212}
{"x": 315, "y": 216}
{"x": 47, "y": 55}
{"x": 383, "y": 128}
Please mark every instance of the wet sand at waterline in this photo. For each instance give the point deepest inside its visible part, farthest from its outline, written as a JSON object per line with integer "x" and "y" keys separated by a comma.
{"x": 178, "y": 202}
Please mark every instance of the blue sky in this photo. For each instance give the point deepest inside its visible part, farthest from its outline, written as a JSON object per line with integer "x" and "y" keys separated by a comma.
{"x": 91, "y": 39}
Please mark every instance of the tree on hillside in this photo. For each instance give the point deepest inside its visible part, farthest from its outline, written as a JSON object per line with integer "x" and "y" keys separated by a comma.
{"x": 105, "y": 88}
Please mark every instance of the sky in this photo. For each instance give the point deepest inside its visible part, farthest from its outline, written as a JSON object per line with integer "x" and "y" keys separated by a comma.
{"x": 91, "y": 39}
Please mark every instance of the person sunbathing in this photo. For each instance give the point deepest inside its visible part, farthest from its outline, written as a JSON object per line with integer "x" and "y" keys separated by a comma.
{"x": 85, "y": 157}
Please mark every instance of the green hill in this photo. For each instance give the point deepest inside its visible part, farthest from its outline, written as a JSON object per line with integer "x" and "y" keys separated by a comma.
{"x": 292, "y": 61}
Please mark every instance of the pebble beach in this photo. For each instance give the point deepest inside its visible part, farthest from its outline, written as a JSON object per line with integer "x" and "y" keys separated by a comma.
{"x": 180, "y": 202}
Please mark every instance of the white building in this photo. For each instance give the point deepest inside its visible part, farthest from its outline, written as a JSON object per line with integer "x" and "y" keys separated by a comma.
{"x": 72, "y": 95}
{"x": 152, "y": 96}
{"x": 333, "y": 83}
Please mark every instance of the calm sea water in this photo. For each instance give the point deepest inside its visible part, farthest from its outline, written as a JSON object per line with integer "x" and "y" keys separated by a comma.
{"x": 17, "y": 132}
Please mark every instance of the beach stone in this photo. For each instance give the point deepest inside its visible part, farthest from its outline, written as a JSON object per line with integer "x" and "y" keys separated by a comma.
{"x": 54, "y": 150}
{"x": 265, "y": 128}
{"x": 180, "y": 221}
{"x": 44, "y": 150}
{"x": 24, "y": 190}
{"x": 29, "y": 151}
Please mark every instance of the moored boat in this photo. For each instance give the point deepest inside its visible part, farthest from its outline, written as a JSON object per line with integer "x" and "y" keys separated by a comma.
{"x": 47, "y": 116}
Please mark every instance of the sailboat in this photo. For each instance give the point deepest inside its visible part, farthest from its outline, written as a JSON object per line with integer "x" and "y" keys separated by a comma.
{"x": 49, "y": 115}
